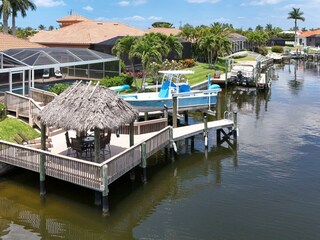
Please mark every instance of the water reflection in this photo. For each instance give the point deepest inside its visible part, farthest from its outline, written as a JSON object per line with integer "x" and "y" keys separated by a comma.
{"x": 296, "y": 81}
{"x": 244, "y": 100}
{"x": 74, "y": 218}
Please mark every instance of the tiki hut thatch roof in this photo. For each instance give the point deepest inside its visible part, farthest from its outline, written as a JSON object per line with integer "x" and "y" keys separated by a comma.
{"x": 82, "y": 107}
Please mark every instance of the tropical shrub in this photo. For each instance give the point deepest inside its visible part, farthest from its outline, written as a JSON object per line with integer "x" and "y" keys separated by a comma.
{"x": 188, "y": 63}
{"x": 277, "y": 49}
{"x": 117, "y": 80}
{"x": 261, "y": 50}
{"x": 58, "y": 88}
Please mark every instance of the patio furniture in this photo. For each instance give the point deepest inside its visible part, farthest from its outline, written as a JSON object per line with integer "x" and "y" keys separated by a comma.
{"x": 68, "y": 143}
{"x": 105, "y": 144}
{"x": 87, "y": 144}
{"x": 76, "y": 146}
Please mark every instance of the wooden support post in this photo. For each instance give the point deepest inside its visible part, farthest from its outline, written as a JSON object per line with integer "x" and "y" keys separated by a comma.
{"x": 144, "y": 162}
{"x": 218, "y": 137}
{"x": 192, "y": 143}
{"x": 131, "y": 133}
{"x": 235, "y": 127}
{"x": 174, "y": 111}
{"x": 42, "y": 168}
{"x": 171, "y": 144}
{"x": 205, "y": 133}
{"x": 97, "y": 194}
{"x": 97, "y": 198}
{"x": 165, "y": 112}
{"x": 30, "y": 114}
{"x": 105, "y": 198}
{"x": 186, "y": 118}
{"x": 97, "y": 145}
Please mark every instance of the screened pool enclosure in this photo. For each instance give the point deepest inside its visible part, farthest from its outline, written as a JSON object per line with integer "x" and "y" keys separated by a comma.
{"x": 20, "y": 68}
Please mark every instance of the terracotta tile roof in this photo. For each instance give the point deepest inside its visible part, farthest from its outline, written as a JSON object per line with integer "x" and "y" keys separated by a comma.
{"x": 309, "y": 33}
{"x": 8, "y": 41}
{"x": 166, "y": 31}
{"x": 87, "y": 32}
{"x": 72, "y": 19}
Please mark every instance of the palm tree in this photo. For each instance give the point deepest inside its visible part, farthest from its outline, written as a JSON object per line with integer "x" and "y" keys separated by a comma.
{"x": 122, "y": 50}
{"x": 173, "y": 45}
{"x": 149, "y": 48}
{"x": 20, "y": 6}
{"x": 5, "y": 10}
{"x": 296, "y": 14}
{"x": 207, "y": 43}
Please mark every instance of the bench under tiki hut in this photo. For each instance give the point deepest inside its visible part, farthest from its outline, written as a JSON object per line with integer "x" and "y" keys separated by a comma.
{"x": 84, "y": 107}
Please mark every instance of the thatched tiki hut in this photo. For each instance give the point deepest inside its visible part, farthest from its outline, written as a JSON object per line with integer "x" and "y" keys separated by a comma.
{"x": 84, "y": 107}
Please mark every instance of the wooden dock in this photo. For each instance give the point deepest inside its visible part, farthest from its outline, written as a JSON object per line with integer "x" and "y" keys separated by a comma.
{"x": 98, "y": 176}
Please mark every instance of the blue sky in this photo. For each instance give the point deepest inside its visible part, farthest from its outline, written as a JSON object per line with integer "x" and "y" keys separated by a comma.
{"x": 142, "y": 13}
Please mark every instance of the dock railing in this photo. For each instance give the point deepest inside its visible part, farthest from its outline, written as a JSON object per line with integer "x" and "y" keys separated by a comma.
{"x": 145, "y": 126}
{"x": 80, "y": 172}
{"x": 23, "y": 107}
{"x": 69, "y": 169}
{"x": 40, "y": 95}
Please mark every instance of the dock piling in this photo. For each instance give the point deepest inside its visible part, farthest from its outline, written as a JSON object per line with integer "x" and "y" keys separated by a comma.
{"x": 143, "y": 164}
{"x": 235, "y": 127}
{"x": 174, "y": 111}
{"x": 105, "y": 198}
{"x": 205, "y": 131}
{"x": 42, "y": 168}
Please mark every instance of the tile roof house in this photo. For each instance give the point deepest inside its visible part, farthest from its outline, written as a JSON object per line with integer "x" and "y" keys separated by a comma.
{"x": 309, "y": 38}
{"x": 80, "y": 32}
{"x": 8, "y": 41}
{"x": 72, "y": 19}
{"x": 84, "y": 34}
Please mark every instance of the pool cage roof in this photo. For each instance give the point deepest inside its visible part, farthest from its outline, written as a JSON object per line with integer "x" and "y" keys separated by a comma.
{"x": 42, "y": 58}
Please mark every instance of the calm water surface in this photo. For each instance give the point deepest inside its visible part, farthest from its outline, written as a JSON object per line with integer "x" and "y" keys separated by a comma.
{"x": 268, "y": 189}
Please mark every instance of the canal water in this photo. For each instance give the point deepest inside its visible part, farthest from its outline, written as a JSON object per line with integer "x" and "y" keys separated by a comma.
{"x": 268, "y": 189}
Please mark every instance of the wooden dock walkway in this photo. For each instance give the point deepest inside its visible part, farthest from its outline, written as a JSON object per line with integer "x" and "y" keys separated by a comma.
{"x": 98, "y": 176}
{"x": 184, "y": 132}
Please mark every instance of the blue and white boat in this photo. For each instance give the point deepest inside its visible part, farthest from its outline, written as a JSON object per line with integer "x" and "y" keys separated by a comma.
{"x": 172, "y": 86}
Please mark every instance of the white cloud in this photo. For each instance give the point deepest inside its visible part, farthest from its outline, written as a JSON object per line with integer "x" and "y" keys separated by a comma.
{"x": 49, "y": 3}
{"x": 124, "y": 3}
{"x": 203, "y": 1}
{"x": 263, "y": 2}
{"x": 154, "y": 18}
{"x": 88, "y": 8}
{"x": 135, "y": 18}
{"x": 132, "y": 2}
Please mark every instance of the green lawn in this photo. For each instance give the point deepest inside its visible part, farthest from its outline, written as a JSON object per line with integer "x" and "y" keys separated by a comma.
{"x": 201, "y": 71}
{"x": 10, "y": 127}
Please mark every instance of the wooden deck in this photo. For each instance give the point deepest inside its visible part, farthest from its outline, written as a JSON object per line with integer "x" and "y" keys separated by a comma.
{"x": 98, "y": 176}
{"x": 195, "y": 129}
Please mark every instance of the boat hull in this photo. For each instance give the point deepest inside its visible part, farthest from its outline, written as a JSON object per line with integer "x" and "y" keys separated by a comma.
{"x": 204, "y": 101}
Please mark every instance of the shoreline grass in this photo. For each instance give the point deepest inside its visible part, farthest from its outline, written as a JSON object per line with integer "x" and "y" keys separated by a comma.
{"x": 10, "y": 127}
